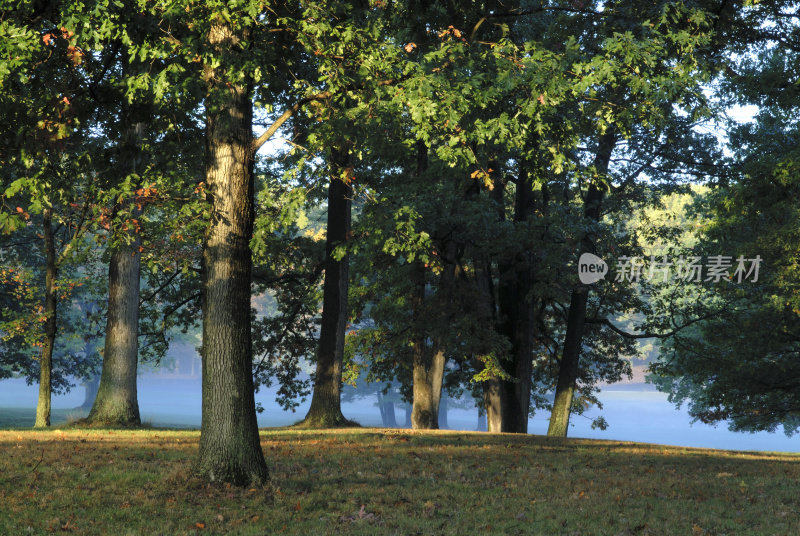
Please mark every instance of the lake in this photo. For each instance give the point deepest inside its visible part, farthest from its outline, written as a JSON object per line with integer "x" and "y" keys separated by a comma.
{"x": 633, "y": 415}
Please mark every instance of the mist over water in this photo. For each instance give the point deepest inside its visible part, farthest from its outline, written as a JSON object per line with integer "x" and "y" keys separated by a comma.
{"x": 633, "y": 415}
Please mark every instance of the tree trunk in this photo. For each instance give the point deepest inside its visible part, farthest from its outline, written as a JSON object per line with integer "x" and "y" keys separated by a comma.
{"x": 326, "y": 409}
{"x": 516, "y": 322}
{"x": 407, "y": 420}
{"x": 387, "y": 411}
{"x": 230, "y": 449}
{"x": 116, "y": 402}
{"x": 573, "y": 339}
{"x": 91, "y": 385}
{"x": 50, "y": 304}
{"x": 443, "y": 413}
{"x": 494, "y": 398}
{"x": 483, "y": 426}
{"x": 428, "y": 362}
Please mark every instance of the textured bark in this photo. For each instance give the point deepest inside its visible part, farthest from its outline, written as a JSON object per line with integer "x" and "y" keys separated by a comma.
{"x": 116, "y": 402}
{"x": 230, "y": 449}
{"x": 510, "y": 399}
{"x": 573, "y": 338}
{"x": 50, "y": 304}
{"x": 428, "y": 363}
{"x": 326, "y": 408}
{"x": 494, "y": 398}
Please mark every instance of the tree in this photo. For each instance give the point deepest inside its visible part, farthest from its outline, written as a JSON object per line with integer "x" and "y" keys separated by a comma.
{"x": 738, "y": 363}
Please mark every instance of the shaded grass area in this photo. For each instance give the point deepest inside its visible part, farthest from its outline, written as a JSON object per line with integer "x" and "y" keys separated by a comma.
{"x": 26, "y": 417}
{"x": 374, "y": 481}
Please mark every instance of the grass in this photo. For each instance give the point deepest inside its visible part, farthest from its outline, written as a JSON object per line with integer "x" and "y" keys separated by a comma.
{"x": 25, "y": 417}
{"x": 375, "y": 481}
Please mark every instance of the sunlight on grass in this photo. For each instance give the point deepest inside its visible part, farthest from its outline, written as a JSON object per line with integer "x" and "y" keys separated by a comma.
{"x": 374, "y": 481}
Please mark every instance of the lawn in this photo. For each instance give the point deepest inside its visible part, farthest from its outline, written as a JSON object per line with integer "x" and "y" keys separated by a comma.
{"x": 376, "y": 481}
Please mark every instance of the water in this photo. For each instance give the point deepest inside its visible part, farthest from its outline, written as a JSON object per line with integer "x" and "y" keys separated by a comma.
{"x": 644, "y": 416}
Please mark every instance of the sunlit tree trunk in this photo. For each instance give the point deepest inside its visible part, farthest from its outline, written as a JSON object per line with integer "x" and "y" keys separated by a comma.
{"x": 230, "y": 449}
{"x": 50, "y": 304}
{"x": 576, "y": 317}
{"x": 116, "y": 401}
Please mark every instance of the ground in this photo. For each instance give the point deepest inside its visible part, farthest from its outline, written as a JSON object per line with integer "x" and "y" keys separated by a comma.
{"x": 377, "y": 481}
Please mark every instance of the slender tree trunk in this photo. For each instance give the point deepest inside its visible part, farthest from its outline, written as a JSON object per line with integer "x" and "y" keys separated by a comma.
{"x": 50, "y": 304}
{"x": 326, "y": 409}
{"x": 573, "y": 339}
{"x": 407, "y": 420}
{"x": 495, "y": 399}
{"x": 230, "y": 449}
{"x": 387, "y": 411}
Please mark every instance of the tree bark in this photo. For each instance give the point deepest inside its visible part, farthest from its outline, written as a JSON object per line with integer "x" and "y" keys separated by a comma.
{"x": 50, "y": 304}
{"x": 116, "y": 402}
{"x": 494, "y": 400}
{"x": 326, "y": 408}
{"x": 576, "y": 317}
{"x": 230, "y": 449}
{"x": 428, "y": 362}
{"x": 509, "y": 400}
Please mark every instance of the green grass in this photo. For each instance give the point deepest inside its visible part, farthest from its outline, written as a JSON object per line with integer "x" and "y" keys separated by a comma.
{"x": 372, "y": 481}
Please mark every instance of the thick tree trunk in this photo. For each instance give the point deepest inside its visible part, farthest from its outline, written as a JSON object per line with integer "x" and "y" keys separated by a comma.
{"x": 428, "y": 362}
{"x": 494, "y": 398}
{"x": 326, "y": 409}
{"x": 573, "y": 338}
{"x": 50, "y": 304}
{"x": 116, "y": 402}
{"x": 230, "y": 449}
{"x": 516, "y": 322}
